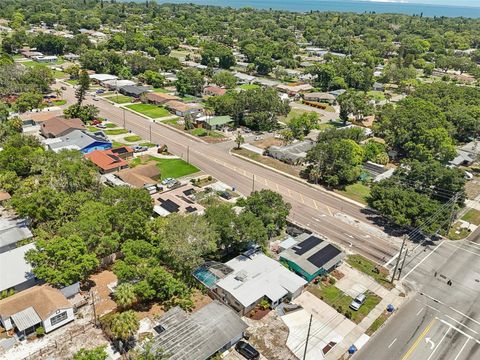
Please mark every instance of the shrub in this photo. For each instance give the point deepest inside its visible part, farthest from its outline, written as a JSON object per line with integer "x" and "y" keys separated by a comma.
{"x": 40, "y": 331}
{"x": 332, "y": 281}
{"x": 209, "y": 178}
{"x": 348, "y": 314}
{"x": 264, "y": 304}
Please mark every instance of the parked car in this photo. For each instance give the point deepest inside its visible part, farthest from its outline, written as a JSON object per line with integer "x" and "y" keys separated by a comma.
{"x": 96, "y": 122}
{"x": 101, "y": 126}
{"x": 100, "y": 91}
{"x": 247, "y": 350}
{"x": 226, "y": 195}
{"x": 167, "y": 181}
{"x": 139, "y": 148}
{"x": 358, "y": 302}
{"x": 95, "y": 98}
{"x": 258, "y": 138}
{"x": 63, "y": 88}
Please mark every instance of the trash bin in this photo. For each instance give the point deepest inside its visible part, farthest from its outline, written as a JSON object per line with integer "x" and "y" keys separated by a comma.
{"x": 352, "y": 349}
{"x": 390, "y": 308}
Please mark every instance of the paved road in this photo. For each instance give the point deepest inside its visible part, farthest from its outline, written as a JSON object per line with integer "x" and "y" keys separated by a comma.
{"x": 441, "y": 321}
{"x": 318, "y": 210}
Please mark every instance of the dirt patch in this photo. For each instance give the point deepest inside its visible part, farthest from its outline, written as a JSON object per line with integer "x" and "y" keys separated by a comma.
{"x": 258, "y": 314}
{"x": 200, "y": 300}
{"x": 265, "y": 143}
{"x": 104, "y": 303}
{"x": 269, "y": 335}
{"x": 472, "y": 188}
{"x": 337, "y": 274}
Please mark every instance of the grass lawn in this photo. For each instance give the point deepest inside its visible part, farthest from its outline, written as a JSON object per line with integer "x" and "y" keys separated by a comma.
{"x": 59, "y": 102}
{"x": 92, "y": 128}
{"x": 179, "y": 54}
{"x": 377, "y": 323}
{"x": 472, "y": 216}
{"x": 357, "y": 192}
{"x": 132, "y": 138}
{"x": 367, "y": 266}
{"x": 116, "y": 131}
{"x": 274, "y": 163}
{"x": 293, "y": 113}
{"x": 149, "y": 110}
{"x": 340, "y": 301}
{"x": 120, "y": 99}
{"x": 457, "y": 232}
{"x": 169, "y": 168}
{"x": 116, "y": 144}
{"x": 172, "y": 122}
{"x": 160, "y": 90}
{"x": 249, "y": 86}
{"x": 111, "y": 125}
{"x": 72, "y": 81}
{"x": 376, "y": 95}
{"x": 148, "y": 144}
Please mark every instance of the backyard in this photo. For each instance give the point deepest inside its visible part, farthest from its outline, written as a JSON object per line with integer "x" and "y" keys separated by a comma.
{"x": 149, "y": 110}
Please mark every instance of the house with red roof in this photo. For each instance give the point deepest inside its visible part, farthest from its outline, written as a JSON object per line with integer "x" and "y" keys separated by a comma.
{"x": 110, "y": 160}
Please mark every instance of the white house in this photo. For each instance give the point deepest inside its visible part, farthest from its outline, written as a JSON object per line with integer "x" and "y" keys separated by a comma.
{"x": 39, "y": 306}
{"x": 16, "y": 271}
{"x": 255, "y": 277}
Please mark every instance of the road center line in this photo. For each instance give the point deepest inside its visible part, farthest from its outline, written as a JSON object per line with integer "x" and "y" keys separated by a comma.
{"x": 415, "y": 344}
{"x": 421, "y": 261}
{"x": 393, "y": 342}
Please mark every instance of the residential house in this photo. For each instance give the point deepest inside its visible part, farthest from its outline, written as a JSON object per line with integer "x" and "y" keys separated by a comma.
{"x": 213, "y": 122}
{"x": 246, "y": 280}
{"x": 110, "y": 160}
{"x": 214, "y": 91}
{"x": 71, "y": 57}
{"x": 378, "y": 86}
{"x": 160, "y": 98}
{"x": 320, "y": 97}
{"x": 134, "y": 91}
{"x": 180, "y": 200}
{"x": 79, "y": 140}
{"x": 12, "y": 230}
{"x": 466, "y": 155}
{"x": 293, "y": 154}
{"x": 100, "y": 78}
{"x": 117, "y": 84}
{"x": 45, "y": 59}
{"x": 193, "y": 64}
{"x": 244, "y": 78}
{"x": 181, "y": 109}
{"x": 337, "y": 93}
{"x": 140, "y": 175}
{"x": 293, "y": 90}
{"x": 311, "y": 256}
{"x": 39, "y": 306}
{"x": 58, "y": 126}
{"x": 16, "y": 271}
{"x": 199, "y": 335}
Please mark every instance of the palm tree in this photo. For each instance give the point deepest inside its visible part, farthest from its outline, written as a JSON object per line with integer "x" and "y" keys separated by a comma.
{"x": 314, "y": 174}
{"x": 124, "y": 325}
{"x": 125, "y": 295}
{"x": 239, "y": 140}
{"x": 58, "y": 92}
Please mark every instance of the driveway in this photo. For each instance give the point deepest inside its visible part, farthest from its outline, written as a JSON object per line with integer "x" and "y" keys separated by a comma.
{"x": 328, "y": 327}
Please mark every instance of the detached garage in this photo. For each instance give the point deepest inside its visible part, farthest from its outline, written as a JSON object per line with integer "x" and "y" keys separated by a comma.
{"x": 311, "y": 256}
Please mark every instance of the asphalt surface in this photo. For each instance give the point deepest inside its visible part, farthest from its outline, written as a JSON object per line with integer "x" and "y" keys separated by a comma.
{"x": 440, "y": 321}
{"x": 317, "y": 210}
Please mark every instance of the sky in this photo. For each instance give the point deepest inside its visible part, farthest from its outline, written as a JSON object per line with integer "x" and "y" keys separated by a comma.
{"x": 475, "y": 3}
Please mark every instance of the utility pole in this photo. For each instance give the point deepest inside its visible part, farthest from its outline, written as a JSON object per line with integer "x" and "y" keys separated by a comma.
{"x": 452, "y": 215}
{"x": 398, "y": 260}
{"x": 253, "y": 182}
{"x": 124, "y": 120}
{"x": 308, "y": 335}
{"x": 403, "y": 263}
{"x": 188, "y": 153}
{"x": 92, "y": 295}
{"x": 150, "y": 127}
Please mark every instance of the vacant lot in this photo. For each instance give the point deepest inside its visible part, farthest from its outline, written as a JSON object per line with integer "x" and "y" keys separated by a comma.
{"x": 472, "y": 216}
{"x": 274, "y": 163}
{"x": 169, "y": 168}
{"x": 249, "y": 86}
{"x": 368, "y": 267}
{"x": 340, "y": 301}
{"x": 357, "y": 192}
{"x": 149, "y": 110}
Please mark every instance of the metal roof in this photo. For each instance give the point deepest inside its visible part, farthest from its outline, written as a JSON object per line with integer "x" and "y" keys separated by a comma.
{"x": 200, "y": 335}
{"x": 14, "y": 269}
{"x": 13, "y": 231}
{"x": 26, "y": 319}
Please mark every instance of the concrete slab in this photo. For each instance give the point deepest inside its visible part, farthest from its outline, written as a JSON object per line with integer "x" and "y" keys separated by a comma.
{"x": 355, "y": 282}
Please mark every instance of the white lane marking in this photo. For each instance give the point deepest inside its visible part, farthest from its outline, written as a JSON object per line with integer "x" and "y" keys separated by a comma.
{"x": 393, "y": 342}
{"x": 429, "y": 341}
{"x": 472, "y": 243}
{"x": 463, "y": 347}
{"x": 441, "y": 340}
{"x": 350, "y": 236}
{"x": 425, "y": 258}
{"x": 460, "y": 248}
{"x": 391, "y": 260}
{"x": 459, "y": 323}
{"x": 458, "y": 330}
{"x": 451, "y": 308}
{"x": 419, "y": 311}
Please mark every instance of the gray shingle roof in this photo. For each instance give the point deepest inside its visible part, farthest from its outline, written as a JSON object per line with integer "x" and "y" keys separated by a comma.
{"x": 199, "y": 335}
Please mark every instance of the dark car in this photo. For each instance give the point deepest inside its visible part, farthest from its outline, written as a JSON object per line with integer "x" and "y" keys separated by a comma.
{"x": 247, "y": 350}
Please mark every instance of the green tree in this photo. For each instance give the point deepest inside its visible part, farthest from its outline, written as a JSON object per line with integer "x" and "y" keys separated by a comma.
{"x": 301, "y": 125}
{"x": 269, "y": 207}
{"x": 338, "y": 161}
{"x": 190, "y": 81}
{"x": 61, "y": 261}
{"x": 97, "y": 353}
{"x": 239, "y": 140}
{"x": 124, "y": 325}
{"x": 153, "y": 78}
{"x": 28, "y": 101}
{"x": 125, "y": 295}
{"x": 225, "y": 78}
{"x": 85, "y": 113}
{"x": 82, "y": 87}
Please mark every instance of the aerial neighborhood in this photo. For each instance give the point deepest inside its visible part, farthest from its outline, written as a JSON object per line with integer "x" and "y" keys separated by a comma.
{"x": 194, "y": 182}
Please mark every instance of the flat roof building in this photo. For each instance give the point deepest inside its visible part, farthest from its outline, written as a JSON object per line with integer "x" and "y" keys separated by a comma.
{"x": 311, "y": 256}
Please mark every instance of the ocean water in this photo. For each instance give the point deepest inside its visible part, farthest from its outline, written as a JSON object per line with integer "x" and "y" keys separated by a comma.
{"x": 356, "y": 6}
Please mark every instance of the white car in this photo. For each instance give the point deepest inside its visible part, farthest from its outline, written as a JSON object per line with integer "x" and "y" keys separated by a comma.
{"x": 358, "y": 302}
